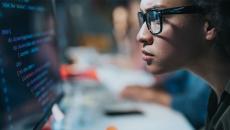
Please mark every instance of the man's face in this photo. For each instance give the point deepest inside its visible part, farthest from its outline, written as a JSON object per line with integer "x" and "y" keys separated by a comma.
{"x": 181, "y": 42}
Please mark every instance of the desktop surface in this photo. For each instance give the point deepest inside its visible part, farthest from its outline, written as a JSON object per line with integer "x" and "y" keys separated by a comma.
{"x": 86, "y": 105}
{"x": 29, "y": 64}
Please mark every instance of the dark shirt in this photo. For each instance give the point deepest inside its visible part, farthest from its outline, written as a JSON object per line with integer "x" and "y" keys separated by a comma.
{"x": 219, "y": 113}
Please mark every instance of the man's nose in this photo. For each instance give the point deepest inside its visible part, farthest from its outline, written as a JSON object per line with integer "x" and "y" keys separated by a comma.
{"x": 144, "y": 35}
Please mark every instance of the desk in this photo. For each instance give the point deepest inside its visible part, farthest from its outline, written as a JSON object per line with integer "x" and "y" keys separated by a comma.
{"x": 155, "y": 117}
{"x": 86, "y": 113}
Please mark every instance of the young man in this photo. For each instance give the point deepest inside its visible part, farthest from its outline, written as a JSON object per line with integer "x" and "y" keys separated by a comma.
{"x": 191, "y": 34}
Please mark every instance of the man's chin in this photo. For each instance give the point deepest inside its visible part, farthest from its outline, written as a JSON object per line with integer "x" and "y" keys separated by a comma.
{"x": 149, "y": 63}
{"x": 154, "y": 69}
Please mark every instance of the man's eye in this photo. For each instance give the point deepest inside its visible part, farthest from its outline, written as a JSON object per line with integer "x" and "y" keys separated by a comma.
{"x": 153, "y": 17}
{"x": 155, "y": 21}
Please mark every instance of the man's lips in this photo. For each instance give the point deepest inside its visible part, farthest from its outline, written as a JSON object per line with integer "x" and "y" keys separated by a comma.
{"x": 147, "y": 53}
{"x": 148, "y": 57}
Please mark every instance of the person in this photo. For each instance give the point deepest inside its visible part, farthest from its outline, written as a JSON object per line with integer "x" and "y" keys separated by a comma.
{"x": 125, "y": 27}
{"x": 191, "y": 34}
{"x": 175, "y": 90}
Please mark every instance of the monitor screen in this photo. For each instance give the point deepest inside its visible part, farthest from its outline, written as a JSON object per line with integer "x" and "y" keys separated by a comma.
{"x": 29, "y": 64}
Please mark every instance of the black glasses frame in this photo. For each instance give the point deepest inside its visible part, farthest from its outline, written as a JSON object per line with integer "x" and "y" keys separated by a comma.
{"x": 158, "y": 14}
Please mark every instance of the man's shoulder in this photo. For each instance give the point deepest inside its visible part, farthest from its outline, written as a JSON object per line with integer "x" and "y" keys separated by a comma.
{"x": 225, "y": 118}
{"x": 224, "y": 121}
{"x": 219, "y": 114}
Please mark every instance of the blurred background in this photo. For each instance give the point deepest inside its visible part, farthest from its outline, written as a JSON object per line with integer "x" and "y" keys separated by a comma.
{"x": 97, "y": 24}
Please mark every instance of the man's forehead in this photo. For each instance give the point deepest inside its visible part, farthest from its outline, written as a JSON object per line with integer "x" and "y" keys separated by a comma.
{"x": 150, "y": 4}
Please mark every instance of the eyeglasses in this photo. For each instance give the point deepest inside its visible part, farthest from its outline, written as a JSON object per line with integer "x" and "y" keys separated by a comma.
{"x": 153, "y": 17}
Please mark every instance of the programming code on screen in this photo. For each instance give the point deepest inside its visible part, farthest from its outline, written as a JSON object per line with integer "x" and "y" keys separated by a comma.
{"x": 29, "y": 77}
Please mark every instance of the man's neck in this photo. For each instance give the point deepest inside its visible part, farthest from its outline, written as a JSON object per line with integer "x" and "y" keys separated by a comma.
{"x": 215, "y": 70}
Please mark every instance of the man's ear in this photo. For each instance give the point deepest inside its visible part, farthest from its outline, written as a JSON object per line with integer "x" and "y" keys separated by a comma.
{"x": 210, "y": 31}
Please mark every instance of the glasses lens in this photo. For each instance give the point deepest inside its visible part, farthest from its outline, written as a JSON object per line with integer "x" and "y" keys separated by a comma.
{"x": 141, "y": 18}
{"x": 154, "y": 21}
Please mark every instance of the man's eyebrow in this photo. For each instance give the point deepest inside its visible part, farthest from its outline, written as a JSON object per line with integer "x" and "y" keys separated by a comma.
{"x": 153, "y": 7}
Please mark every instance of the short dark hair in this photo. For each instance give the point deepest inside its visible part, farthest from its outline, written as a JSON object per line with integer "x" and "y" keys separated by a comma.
{"x": 217, "y": 12}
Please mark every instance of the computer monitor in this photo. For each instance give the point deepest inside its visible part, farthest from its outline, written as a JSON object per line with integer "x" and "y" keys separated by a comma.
{"x": 29, "y": 64}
